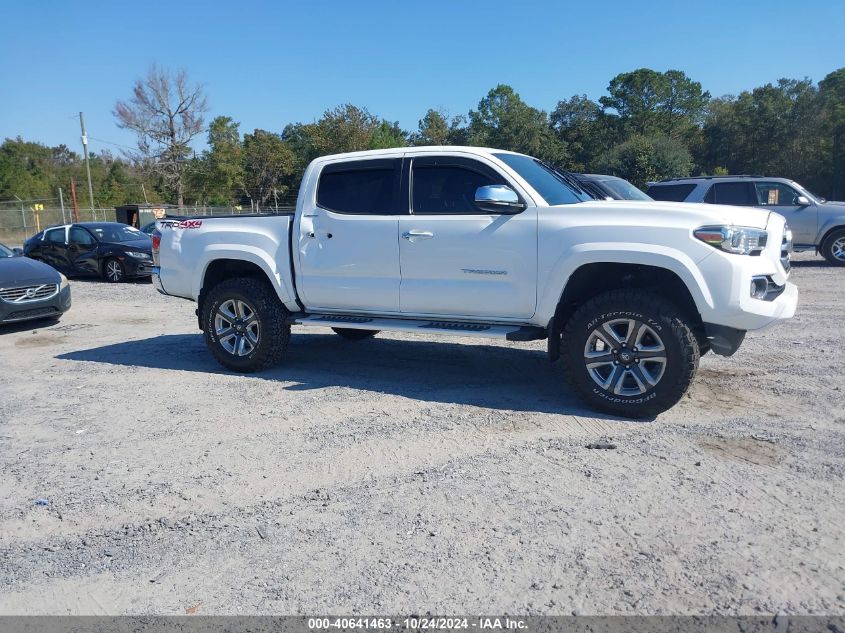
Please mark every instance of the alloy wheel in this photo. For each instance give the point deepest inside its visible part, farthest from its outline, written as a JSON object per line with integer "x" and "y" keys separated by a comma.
{"x": 837, "y": 249}
{"x": 236, "y": 327}
{"x": 114, "y": 271}
{"x": 625, "y": 357}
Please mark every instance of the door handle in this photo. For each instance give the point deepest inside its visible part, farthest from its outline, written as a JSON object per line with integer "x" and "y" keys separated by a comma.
{"x": 422, "y": 235}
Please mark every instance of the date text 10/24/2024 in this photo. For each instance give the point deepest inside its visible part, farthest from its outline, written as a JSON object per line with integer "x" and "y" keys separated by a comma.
{"x": 419, "y": 623}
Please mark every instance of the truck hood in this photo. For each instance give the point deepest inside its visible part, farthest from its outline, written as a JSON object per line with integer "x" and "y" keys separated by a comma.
{"x": 22, "y": 271}
{"x": 692, "y": 214}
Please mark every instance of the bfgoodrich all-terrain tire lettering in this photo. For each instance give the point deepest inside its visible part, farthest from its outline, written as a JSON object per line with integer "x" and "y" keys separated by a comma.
{"x": 629, "y": 353}
{"x": 353, "y": 334}
{"x": 245, "y": 324}
{"x": 833, "y": 248}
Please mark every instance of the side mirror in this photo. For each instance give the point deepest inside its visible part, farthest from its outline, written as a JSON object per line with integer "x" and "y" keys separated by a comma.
{"x": 802, "y": 201}
{"x": 18, "y": 252}
{"x": 498, "y": 199}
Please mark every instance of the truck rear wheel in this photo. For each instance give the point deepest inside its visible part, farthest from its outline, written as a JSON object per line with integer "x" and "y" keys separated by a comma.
{"x": 245, "y": 324}
{"x": 629, "y": 353}
{"x": 833, "y": 248}
{"x": 352, "y": 334}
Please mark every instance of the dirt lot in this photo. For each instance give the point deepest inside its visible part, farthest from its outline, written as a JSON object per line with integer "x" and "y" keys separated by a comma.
{"x": 406, "y": 474}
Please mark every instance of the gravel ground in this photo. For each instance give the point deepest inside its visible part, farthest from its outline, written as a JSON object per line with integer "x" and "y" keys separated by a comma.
{"x": 409, "y": 474}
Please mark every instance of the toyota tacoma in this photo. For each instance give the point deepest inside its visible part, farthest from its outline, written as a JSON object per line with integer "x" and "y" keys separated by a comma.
{"x": 481, "y": 242}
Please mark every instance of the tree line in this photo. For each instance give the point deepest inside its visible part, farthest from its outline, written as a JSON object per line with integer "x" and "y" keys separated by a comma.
{"x": 650, "y": 125}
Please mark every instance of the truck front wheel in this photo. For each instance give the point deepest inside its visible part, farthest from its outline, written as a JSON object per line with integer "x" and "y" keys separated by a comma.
{"x": 245, "y": 324}
{"x": 630, "y": 353}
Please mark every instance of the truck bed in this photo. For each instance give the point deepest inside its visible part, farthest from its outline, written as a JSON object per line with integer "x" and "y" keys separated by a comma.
{"x": 284, "y": 211}
{"x": 190, "y": 244}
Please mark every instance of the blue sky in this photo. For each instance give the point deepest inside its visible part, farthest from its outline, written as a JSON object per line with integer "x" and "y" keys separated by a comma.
{"x": 267, "y": 64}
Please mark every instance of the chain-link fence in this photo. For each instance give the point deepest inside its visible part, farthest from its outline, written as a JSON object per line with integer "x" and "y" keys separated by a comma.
{"x": 21, "y": 219}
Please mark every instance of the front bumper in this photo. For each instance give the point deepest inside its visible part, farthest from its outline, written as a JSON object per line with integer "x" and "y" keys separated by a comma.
{"x": 730, "y": 276}
{"x": 138, "y": 267}
{"x": 55, "y": 306}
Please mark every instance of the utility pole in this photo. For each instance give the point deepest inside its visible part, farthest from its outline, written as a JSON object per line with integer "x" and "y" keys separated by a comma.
{"x": 87, "y": 164}
{"x": 23, "y": 215}
{"x": 73, "y": 199}
{"x": 62, "y": 203}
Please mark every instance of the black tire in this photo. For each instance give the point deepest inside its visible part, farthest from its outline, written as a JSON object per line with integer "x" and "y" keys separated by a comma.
{"x": 833, "y": 245}
{"x": 354, "y": 335}
{"x": 641, "y": 385}
{"x": 270, "y": 328}
{"x": 114, "y": 271}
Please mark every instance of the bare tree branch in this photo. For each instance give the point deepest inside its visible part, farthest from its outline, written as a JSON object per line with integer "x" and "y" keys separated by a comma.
{"x": 166, "y": 113}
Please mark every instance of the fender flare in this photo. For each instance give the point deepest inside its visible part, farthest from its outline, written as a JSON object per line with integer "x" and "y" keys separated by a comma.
{"x": 245, "y": 253}
{"x": 832, "y": 224}
{"x": 657, "y": 256}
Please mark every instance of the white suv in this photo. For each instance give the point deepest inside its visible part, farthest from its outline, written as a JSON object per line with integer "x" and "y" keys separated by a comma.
{"x": 816, "y": 224}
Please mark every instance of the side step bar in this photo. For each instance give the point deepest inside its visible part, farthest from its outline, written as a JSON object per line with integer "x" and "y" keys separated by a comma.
{"x": 457, "y": 328}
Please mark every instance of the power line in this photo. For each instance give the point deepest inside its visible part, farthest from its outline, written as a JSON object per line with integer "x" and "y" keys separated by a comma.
{"x": 102, "y": 140}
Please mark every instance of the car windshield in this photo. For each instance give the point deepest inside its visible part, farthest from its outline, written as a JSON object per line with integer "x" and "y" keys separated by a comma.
{"x": 623, "y": 189}
{"x": 553, "y": 185}
{"x": 115, "y": 232}
{"x": 5, "y": 252}
{"x": 808, "y": 193}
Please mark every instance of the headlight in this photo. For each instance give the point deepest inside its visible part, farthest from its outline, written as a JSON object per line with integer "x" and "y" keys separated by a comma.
{"x": 64, "y": 284}
{"x": 740, "y": 240}
{"x": 138, "y": 255}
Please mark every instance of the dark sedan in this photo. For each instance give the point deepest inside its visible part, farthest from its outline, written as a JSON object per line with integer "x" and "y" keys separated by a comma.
{"x": 602, "y": 187}
{"x": 30, "y": 289}
{"x": 110, "y": 250}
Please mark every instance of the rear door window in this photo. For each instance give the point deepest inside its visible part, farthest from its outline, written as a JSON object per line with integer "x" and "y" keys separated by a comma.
{"x": 367, "y": 187}
{"x": 736, "y": 193}
{"x": 670, "y": 193}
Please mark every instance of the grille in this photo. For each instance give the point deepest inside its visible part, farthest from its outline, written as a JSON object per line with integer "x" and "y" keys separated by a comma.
{"x": 21, "y": 315}
{"x": 786, "y": 249}
{"x": 28, "y": 293}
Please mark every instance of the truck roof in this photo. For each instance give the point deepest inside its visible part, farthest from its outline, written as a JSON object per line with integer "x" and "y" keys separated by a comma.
{"x": 425, "y": 149}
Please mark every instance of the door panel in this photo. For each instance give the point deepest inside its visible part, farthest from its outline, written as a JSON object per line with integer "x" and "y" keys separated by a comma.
{"x": 781, "y": 198}
{"x": 82, "y": 252}
{"x": 54, "y": 249}
{"x": 458, "y": 260}
{"x": 349, "y": 253}
{"x": 471, "y": 265}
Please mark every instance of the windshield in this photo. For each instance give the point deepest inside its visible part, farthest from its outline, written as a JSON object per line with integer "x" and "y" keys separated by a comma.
{"x": 115, "y": 233}
{"x": 623, "y": 190}
{"x": 5, "y": 252}
{"x": 548, "y": 182}
{"x": 803, "y": 190}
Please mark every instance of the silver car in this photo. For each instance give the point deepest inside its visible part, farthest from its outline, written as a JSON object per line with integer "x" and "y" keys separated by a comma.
{"x": 30, "y": 289}
{"x": 816, "y": 223}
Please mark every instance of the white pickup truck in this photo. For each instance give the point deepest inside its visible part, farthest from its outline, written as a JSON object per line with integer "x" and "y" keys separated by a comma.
{"x": 486, "y": 243}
